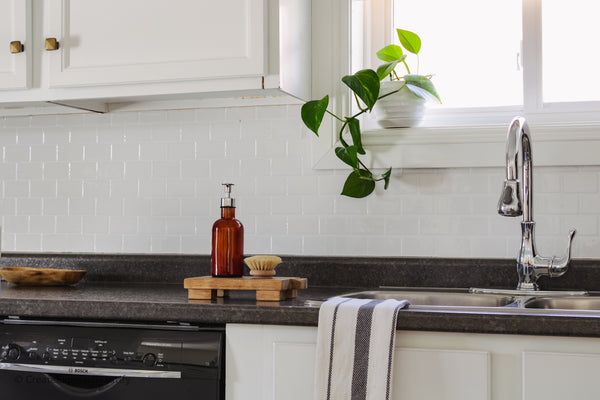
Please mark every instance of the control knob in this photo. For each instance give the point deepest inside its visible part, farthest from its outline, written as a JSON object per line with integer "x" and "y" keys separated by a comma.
{"x": 13, "y": 353}
{"x": 149, "y": 360}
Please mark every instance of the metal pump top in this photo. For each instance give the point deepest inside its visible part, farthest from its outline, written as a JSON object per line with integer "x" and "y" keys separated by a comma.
{"x": 227, "y": 201}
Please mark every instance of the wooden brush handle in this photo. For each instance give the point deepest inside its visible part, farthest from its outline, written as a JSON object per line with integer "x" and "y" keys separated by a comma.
{"x": 262, "y": 274}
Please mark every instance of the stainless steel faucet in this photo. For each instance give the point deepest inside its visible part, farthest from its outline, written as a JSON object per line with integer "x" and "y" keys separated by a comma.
{"x": 530, "y": 266}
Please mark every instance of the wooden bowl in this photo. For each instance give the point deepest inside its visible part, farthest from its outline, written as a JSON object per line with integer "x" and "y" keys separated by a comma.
{"x": 41, "y": 276}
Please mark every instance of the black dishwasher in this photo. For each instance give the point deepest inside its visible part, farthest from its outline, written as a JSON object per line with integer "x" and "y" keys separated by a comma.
{"x": 98, "y": 360}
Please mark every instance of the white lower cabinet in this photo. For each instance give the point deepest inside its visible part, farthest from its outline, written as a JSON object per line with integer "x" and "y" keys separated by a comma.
{"x": 553, "y": 376}
{"x": 268, "y": 362}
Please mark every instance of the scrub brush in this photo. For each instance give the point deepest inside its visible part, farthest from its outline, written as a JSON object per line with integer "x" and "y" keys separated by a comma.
{"x": 262, "y": 266}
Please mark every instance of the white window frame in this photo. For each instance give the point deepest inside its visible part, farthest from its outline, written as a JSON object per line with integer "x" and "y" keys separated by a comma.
{"x": 568, "y": 135}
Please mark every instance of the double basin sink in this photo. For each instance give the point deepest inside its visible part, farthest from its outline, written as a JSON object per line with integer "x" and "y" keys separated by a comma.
{"x": 487, "y": 300}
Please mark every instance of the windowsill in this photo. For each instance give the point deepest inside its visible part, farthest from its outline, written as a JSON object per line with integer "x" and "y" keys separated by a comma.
{"x": 568, "y": 144}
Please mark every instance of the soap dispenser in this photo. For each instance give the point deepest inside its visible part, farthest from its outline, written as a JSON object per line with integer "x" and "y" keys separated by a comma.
{"x": 227, "y": 256}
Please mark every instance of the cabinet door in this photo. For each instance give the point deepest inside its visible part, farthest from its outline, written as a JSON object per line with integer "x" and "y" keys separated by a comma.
{"x": 277, "y": 362}
{"x": 553, "y": 376}
{"x": 15, "y": 25}
{"x": 140, "y": 41}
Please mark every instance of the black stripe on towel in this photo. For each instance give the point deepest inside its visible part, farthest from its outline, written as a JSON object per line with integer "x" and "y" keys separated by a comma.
{"x": 391, "y": 352}
{"x": 331, "y": 342}
{"x": 362, "y": 341}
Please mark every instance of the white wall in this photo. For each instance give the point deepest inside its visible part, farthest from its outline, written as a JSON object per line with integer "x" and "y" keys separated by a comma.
{"x": 149, "y": 182}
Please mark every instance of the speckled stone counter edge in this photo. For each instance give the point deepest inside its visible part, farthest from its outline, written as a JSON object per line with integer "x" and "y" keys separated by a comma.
{"x": 108, "y": 295}
{"x": 320, "y": 271}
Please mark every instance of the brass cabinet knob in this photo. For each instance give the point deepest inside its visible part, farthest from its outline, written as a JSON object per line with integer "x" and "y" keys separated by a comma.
{"x": 51, "y": 44}
{"x": 16, "y": 47}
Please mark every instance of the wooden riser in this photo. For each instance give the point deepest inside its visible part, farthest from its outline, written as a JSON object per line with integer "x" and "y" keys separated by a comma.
{"x": 268, "y": 289}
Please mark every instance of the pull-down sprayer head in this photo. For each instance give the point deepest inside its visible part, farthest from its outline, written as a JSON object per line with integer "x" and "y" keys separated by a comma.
{"x": 510, "y": 203}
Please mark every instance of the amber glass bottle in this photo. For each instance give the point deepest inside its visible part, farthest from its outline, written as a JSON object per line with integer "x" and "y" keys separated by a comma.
{"x": 227, "y": 255}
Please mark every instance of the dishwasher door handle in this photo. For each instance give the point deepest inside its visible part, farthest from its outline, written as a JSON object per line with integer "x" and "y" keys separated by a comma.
{"x": 90, "y": 371}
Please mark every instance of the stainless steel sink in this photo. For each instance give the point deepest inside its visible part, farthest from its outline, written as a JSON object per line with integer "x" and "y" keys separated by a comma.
{"x": 437, "y": 298}
{"x": 564, "y": 303}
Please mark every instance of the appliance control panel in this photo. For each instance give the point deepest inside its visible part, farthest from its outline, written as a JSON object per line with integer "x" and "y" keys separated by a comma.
{"x": 109, "y": 347}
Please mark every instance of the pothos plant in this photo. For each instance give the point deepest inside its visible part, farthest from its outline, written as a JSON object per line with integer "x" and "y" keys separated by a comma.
{"x": 365, "y": 86}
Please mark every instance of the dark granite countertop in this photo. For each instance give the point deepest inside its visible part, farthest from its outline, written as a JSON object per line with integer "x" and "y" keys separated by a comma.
{"x": 105, "y": 293}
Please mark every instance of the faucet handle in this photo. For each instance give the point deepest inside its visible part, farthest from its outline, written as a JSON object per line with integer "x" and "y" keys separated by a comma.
{"x": 559, "y": 265}
{"x": 509, "y": 204}
{"x": 570, "y": 237}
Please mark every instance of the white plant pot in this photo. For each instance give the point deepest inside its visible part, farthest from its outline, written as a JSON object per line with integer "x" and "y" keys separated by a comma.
{"x": 399, "y": 110}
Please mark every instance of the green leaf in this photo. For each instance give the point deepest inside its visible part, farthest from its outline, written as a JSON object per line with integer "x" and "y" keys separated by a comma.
{"x": 312, "y": 113}
{"x": 411, "y": 41}
{"x": 359, "y": 184}
{"x": 421, "y": 86}
{"x": 354, "y": 126}
{"x": 389, "y": 53}
{"x": 385, "y": 69}
{"x": 347, "y": 155}
{"x": 365, "y": 84}
{"x": 386, "y": 178}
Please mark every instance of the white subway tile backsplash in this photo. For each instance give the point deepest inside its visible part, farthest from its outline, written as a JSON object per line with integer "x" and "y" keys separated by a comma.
{"x": 287, "y": 244}
{"x": 271, "y": 225}
{"x": 128, "y": 225}
{"x": 30, "y": 206}
{"x": 166, "y": 169}
{"x": 165, "y": 133}
{"x": 109, "y": 135}
{"x": 165, "y": 244}
{"x": 145, "y": 225}
{"x": 166, "y": 207}
{"x": 81, "y": 206}
{"x": 109, "y": 206}
{"x": 31, "y": 242}
{"x": 83, "y": 170}
{"x": 53, "y": 206}
{"x": 29, "y": 170}
{"x": 28, "y": 136}
{"x": 224, "y": 131}
{"x": 153, "y": 151}
{"x": 69, "y": 152}
{"x": 84, "y": 135}
{"x": 180, "y": 226}
{"x": 19, "y": 224}
{"x": 96, "y": 152}
{"x": 95, "y": 188}
{"x": 111, "y": 170}
{"x": 196, "y": 244}
{"x": 15, "y": 153}
{"x": 70, "y": 189}
{"x": 151, "y": 182}
{"x": 16, "y": 189}
{"x": 69, "y": 224}
{"x": 139, "y": 244}
{"x": 43, "y": 153}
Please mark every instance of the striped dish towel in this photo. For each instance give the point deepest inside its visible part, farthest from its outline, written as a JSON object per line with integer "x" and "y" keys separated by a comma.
{"x": 355, "y": 344}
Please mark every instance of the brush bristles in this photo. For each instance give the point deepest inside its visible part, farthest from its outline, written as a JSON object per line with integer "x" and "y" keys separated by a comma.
{"x": 262, "y": 263}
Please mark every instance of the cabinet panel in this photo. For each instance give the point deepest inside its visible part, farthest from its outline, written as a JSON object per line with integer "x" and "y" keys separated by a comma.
{"x": 293, "y": 370}
{"x": 554, "y": 376}
{"x": 278, "y": 362}
{"x": 116, "y": 42}
{"x": 421, "y": 374}
{"x": 15, "y": 25}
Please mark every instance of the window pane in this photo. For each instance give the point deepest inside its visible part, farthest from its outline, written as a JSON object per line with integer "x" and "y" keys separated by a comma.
{"x": 470, "y": 46}
{"x": 570, "y": 58}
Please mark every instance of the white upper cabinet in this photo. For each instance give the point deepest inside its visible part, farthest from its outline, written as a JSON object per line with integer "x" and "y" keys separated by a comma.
{"x": 15, "y": 37}
{"x": 140, "y": 41}
{"x": 81, "y": 53}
